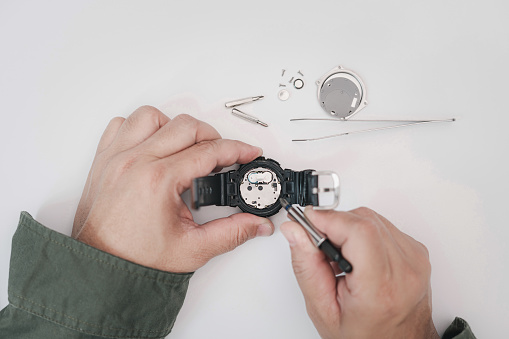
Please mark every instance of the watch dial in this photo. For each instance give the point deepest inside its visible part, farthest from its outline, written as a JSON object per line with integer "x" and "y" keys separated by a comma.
{"x": 260, "y": 188}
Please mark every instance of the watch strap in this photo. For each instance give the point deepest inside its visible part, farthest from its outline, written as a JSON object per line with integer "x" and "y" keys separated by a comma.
{"x": 300, "y": 187}
{"x": 221, "y": 189}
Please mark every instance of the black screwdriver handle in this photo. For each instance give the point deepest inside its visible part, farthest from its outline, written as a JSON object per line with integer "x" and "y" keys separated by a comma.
{"x": 335, "y": 255}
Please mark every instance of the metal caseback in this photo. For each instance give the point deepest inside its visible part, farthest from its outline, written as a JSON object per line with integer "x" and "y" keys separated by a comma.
{"x": 341, "y": 93}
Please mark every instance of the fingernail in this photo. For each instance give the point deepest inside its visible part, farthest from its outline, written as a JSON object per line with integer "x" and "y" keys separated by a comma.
{"x": 308, "y": 210}
{"x": 288, "y": 235}
{"x": 264, "y": 230}
{"x": 260, "y": 151}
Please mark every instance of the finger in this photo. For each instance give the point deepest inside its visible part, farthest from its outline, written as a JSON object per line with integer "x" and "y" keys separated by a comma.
{"x": 180, "y": 133}
{"x": 313, "y": 272}
{"x": 139, "y": 126}
{"x": 201, "y": 159}
{"x": 336, "y": 225}
{"x": 363, "y": 240}
{"x": 223, "y": 235}
{"x": 110, "y": 133}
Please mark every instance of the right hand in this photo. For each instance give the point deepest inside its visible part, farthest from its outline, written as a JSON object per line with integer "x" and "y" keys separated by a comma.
{"x": 388, "y": 293}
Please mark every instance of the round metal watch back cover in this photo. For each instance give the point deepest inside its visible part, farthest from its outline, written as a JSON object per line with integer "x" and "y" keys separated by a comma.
{"x": 341, "y": 93}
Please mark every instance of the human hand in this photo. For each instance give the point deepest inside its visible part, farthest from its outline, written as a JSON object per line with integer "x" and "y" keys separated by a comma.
{"x": 388, "y": 293}
{"x": 131, "y": 206}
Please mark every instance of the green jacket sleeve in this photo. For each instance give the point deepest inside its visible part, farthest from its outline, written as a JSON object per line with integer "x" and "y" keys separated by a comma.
{"x": 62, "y": 288}
{"x": 459, "y": 329}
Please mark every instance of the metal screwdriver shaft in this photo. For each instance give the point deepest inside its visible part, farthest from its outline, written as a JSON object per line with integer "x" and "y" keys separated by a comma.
{"x": 245, "y": 116}
{"x": 238, "y": 102}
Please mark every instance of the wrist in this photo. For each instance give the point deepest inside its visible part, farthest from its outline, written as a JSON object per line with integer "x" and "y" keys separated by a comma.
{"x": 423, "y": 326}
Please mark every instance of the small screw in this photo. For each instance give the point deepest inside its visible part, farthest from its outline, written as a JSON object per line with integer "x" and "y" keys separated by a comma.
{"x": 283, "y": 72}
{"x": 282, "y": 85}
{"x": 291, "y": 80}
{"x": 300, "y": 73}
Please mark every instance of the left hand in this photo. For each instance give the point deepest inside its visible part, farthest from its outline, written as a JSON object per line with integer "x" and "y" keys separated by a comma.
{"x": 131, "y": 206}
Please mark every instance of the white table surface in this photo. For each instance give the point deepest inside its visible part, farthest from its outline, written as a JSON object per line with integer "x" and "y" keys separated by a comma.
{"x": 67, "y": 68}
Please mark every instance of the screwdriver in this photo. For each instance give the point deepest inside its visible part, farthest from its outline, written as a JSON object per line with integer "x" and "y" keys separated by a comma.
{"x": 319, "y": 239}
{"x": 245, "y": 116}
{"x": 239, "y": 102}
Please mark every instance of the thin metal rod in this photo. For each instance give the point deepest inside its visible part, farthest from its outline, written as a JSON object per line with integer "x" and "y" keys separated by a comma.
{"x": 374, "y": 129}
{"x": 367, "y": 120}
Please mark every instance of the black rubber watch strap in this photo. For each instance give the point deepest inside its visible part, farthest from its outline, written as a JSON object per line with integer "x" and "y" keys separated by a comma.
{"x": 220, "y": 189}
{"x": 298, "y": 187}
{"x": 209, "y": 190}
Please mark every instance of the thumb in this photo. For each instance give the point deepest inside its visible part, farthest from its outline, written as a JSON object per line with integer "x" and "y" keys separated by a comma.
{"x": 225, "y": 234}
{"x": 314, "y": 274}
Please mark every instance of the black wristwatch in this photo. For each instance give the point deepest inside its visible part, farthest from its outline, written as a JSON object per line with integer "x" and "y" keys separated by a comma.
{"x": 257, "y": 186}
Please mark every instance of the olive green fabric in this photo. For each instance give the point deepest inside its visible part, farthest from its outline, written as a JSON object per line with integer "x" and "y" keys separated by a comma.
{"x": 63, "y": 288}
{"x": 459, "y": 329}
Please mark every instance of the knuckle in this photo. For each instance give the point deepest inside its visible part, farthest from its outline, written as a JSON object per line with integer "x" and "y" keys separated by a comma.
{"x": 298, "y": 267}
{"x": 368, "y": 227}
{"x": 204, "y": 151}
{"x": 143, "y": 113}
{"x": 424, "y": 260}
{"x": 149, "y": 112}
{"x": 208, "y": 147}
{"x": 186, "y": 120}
{"x": 117, "y": 120}
{"x": 301, "y": 266}
{"x": 240, "y": 235}
{"x": 424, "y": 249}
{"x": 146, "y": 109}
{"x": 365, "y": 211}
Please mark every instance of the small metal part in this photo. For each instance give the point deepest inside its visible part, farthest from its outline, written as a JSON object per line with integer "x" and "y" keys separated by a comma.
{"x": 300, "y": 73}
{"x": 267, "y": 188}
{"x": 291, "y": 80}
{"x": 374, "y": 129}
{"x": 242, "y": 101}
{"x": 298, "y": 83}
{"x": 260, "y": 177}
{"x": 282, "y": 85}
{"x": 248, "y": 117}
{"x": 283, "y": 95}
{"x": 283, "y": 72}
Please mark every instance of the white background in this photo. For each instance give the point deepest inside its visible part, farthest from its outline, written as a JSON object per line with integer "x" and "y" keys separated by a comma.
{"x": 68, "y": 67}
